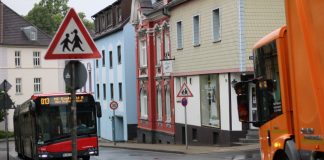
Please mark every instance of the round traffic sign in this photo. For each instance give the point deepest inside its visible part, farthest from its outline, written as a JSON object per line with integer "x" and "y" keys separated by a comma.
{"x": 80, "y": 73}
{"x": 184, "y": 102}
{"x": 113, "y": 105}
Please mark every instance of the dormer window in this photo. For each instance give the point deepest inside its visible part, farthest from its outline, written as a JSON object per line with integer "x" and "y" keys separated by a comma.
{"x": 119, "y": 14}
{"x": 30, "y": 32}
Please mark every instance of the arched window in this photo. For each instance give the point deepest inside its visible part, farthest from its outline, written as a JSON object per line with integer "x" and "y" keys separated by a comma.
{"x": 143, "y": 102}
{"x": 159, "y": 102}
{"x": 167, "y": 102}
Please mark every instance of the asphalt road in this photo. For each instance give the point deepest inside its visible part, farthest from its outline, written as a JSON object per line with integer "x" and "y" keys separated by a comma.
{"x": 126, "y": 154}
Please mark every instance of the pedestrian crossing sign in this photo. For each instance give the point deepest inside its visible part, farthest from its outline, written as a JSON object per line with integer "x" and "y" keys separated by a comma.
{"x": 184, "y": 91}
{"x": 72, "y": 40}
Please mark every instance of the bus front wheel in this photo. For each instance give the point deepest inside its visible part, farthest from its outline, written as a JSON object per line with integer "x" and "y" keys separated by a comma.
{"x": 86, "y": 158}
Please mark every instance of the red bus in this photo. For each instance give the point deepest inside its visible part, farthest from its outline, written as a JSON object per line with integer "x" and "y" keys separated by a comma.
{"x": 42, "y": 127}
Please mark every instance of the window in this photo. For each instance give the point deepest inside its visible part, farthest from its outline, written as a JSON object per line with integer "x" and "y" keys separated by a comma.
{"x": 143, "y": 55}
{"x": 158, "y": 49}
{"x": 166, "y": 45}
{"x": 111, "y": 91}
{"x": 194, "y": 134}
{"x": 17, "y": 58}
{"x": 33, "y": 36}
{"x": 104, "y": 91}
{"x": 168, "y": 103}
{"x": 36, "y": 59}
{"x": 103, "y": 58}
{"x": 120, "y": 87}
{"x": 37, "y": 85}
{"x": 98, "y": 91}
{"x": 179, "y": 35}
{"x": 143, "y": 101}
{"x": 216, "y": 25}
{"x": 102, "y": 21}
{"x": 97, "y": 25}
{"x": 209, "y": 95}
{"x": 268, "y": 87}
{"x": 109, "y": 18}
{"x": 196, "y": 31}
{"x": 18, "y": 85}
{"x": 119, "y": 14}
{"x": 111, "y": 59}
{"x": 119, "y": 54}
{"x": 159, "y": 103}
{"x": 97, "y": 63}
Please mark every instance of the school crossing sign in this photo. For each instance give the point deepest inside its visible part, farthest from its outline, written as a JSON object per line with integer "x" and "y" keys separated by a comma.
{"x": 72, "y": 40}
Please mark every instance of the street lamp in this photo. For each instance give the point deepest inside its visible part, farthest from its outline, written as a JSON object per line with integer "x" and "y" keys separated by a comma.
{"x": 90, "y": 78}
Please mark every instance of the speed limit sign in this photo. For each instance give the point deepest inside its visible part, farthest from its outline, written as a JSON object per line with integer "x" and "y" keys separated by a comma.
{"x": 113, "y": 105}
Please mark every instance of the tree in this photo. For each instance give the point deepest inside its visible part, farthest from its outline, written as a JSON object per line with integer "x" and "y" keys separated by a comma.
{"x": 47, "y": 15}
{"x": 88, "y": 24}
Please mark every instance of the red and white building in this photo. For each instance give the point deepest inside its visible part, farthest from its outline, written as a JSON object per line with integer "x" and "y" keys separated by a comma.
{"x": 155, "y": 95}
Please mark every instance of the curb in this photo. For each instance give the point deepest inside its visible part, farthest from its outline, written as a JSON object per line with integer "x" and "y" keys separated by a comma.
{"x": 9, "y": 139}
{"x": 143, "y": 149}
{"x": 189, "y": 151}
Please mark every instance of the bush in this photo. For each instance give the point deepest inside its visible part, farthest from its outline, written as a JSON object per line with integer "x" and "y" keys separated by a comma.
{"x": 3, "y": 134}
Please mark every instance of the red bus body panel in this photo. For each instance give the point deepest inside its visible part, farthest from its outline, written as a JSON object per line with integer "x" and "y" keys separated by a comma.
{"x": 66, "y": 146}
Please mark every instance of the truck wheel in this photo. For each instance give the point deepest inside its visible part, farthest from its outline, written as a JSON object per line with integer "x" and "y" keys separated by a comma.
{"x": 291, "y": 151}
{"x": 86, "y": 158}
{"x": 281, "y": 155}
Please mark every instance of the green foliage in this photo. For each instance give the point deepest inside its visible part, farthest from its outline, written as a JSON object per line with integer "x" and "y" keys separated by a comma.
{"x": 47, "y": 15}
{"x": 88, "y": 24}
{"x": 3, "y": 134}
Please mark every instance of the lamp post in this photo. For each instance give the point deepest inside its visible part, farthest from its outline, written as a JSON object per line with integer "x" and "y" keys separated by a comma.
{"x": 90, "y": 78}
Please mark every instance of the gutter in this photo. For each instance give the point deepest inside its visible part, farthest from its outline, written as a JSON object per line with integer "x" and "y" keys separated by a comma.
{"x": 1, "y": 22}
{"x": 242, "y": 49}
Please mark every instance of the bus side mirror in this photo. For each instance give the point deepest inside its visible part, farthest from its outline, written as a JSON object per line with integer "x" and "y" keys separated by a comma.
{"x": 98, "y": 108}
{"x": 32, "y": 107}
{"x": 241, "y": 89}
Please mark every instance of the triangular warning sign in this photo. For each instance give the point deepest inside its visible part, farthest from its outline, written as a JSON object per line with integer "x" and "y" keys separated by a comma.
{"x": 72, "y": 40}
{"x": 184, "y": 91}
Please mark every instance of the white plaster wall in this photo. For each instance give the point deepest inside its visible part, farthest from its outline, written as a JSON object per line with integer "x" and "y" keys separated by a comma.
{"x": 50, "y": 72}
{"x": 224, "y": 103}
{"x": 193, "y": 107}
{"x": 236, "y": 124}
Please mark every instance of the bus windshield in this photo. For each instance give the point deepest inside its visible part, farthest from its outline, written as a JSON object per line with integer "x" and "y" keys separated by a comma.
{"x": 268, "y": 85}
{"x": 53, "y": 121}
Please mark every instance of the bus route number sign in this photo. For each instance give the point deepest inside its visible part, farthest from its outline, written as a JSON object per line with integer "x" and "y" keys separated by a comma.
{"x": 59, "y": 100}
{"x": 113, "y": 105}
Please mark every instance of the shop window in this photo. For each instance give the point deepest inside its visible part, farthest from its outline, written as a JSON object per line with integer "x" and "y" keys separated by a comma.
{"x": 210, "y": 106}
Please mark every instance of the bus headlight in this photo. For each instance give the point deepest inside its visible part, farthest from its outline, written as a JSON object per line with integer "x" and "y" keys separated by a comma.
{"x": 43, "y": 155}
{"x": 92, "y": 151}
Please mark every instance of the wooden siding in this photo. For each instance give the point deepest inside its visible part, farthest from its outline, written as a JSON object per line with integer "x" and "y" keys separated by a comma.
{"x": 209, "y": 55}
{"x": 260, "y": 18}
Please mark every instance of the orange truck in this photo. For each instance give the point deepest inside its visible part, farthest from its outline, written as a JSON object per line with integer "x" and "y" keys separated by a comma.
{"x": 289, "y": 82}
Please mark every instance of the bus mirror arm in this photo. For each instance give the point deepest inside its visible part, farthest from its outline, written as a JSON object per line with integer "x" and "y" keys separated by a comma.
{"x": 98, "y": 108}
{"x": 32, "y": 106}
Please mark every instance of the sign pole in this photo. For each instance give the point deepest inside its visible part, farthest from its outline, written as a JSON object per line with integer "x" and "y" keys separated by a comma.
{"x": 186, "y": 127}
{"x": 6, "y": 117}
{"x": 74, "y": 116}
{"x": 114, "y": 129}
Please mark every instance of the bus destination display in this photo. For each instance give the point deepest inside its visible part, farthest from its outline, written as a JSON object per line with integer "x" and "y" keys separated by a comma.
{"x": 60, "y": 100}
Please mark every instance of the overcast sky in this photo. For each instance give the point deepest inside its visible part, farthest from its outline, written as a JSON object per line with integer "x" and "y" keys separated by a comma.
{"x": 89, "y": 7}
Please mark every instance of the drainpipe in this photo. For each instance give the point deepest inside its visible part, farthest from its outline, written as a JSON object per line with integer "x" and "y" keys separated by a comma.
{"x": 242, "y": 49}
{"x": 1, "y": 22}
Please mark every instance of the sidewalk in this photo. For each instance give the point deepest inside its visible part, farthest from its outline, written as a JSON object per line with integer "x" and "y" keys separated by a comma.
{"x": 173, "y": 148}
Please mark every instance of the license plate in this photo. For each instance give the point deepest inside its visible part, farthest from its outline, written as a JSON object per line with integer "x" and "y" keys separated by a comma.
{"x": 67, "y": 154}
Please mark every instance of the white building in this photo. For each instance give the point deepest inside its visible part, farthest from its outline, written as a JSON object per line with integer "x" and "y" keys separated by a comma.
{"x": 22, "y": 63}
